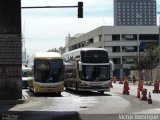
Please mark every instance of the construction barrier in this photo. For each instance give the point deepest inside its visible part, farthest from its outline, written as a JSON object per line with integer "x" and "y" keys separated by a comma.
{"x": 144, "y": 95}
{"x": 114, "y": 79}
{"x": 140, "y": 85}
{"x": 156, "y": 87}
{"x": 126, "y": 87}
{"x": 138, "y": 93}
{"x": 149, "y": 98}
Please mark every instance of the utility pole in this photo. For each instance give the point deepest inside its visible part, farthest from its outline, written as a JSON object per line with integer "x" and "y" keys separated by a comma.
{"x": 138, "y": 17}
{"x": 159, "y": 41}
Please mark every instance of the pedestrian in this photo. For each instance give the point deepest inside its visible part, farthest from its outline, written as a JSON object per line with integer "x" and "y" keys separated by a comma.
{"x": 134, "y": 79}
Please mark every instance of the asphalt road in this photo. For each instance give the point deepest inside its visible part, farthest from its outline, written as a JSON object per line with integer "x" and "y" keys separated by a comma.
{"x": 112, "y": 105}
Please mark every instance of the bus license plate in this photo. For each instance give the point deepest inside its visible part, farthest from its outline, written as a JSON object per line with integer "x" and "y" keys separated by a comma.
{"x": 95, "y": 84}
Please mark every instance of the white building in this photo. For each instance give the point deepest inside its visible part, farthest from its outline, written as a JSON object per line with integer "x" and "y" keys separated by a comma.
{"x": 121, "y": 42}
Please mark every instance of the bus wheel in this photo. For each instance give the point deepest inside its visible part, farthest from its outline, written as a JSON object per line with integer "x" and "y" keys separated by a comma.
{"x": 59, "y": 93}
{"x": 101, "y": 92}
{"x": 30, "y": 90}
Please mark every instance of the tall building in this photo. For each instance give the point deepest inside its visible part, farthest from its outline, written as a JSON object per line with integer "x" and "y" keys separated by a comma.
{"x": 135, "y": 13}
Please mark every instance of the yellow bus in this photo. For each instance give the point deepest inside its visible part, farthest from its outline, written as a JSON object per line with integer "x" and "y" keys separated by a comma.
{"x": 48, "y": 69}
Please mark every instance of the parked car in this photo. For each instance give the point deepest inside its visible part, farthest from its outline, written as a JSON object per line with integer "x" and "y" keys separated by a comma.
{"x": 27, "y": 75}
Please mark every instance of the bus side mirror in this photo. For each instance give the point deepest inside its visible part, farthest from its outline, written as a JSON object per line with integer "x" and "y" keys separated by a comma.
{"x": 80, "y": 66}
{"x": 112, "y": 65}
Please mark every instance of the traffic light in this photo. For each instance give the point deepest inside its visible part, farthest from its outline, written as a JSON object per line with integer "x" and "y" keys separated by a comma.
{"x": 80, "y": 9}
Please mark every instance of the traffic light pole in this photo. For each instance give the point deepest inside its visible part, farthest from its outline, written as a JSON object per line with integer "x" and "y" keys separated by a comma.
{"x": 80, "y": 8}
{"x": 48, "y": 7}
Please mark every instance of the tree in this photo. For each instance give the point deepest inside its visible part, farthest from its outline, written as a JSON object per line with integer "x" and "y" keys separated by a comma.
{"x": 149, "y": 60}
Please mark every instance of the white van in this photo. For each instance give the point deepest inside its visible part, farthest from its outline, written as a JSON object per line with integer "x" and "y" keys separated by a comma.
{"x": 27, "y": 75}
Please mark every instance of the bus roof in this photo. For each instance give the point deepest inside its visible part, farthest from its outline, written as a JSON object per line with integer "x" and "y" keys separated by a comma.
{"x": 46, "y": 55}
{"x": 85, "y": 49}
{"x": 76, "y": 53}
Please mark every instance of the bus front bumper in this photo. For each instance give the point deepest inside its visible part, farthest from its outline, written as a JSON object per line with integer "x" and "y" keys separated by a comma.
{"x": 94, "y": 89}
{"x": 48, "y": 90}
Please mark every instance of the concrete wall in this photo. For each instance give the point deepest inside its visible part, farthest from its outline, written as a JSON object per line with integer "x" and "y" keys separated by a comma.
{"x": 10, "y": 50}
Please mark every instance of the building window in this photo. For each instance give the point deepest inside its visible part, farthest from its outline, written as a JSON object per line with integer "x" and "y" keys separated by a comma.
{"x": 116, "y": 37}
{"x": 115, "y": 48}
{"x": 116, "y": 60}
{"x": 154, "y": 10}
{"x": 128, "y": 60}
{"x": 100, "y": 38}
{"x": 149, "y": 37}
{"x": 129, "y": 37}
{"x": 129, "y": 48}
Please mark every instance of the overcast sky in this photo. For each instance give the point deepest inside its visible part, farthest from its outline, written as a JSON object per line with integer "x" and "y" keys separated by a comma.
{"x": 45, "y": 29}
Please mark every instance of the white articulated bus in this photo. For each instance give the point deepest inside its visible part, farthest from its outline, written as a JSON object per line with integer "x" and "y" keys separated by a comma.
{"x": 88, "y": 69}
{"x": 48, "y": 69}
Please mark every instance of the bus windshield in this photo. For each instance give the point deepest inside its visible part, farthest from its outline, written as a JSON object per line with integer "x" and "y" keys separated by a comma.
{"x": 95, "y": 72}
{"x": 94, "y": 56}
{"x": 48, "y": 71}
